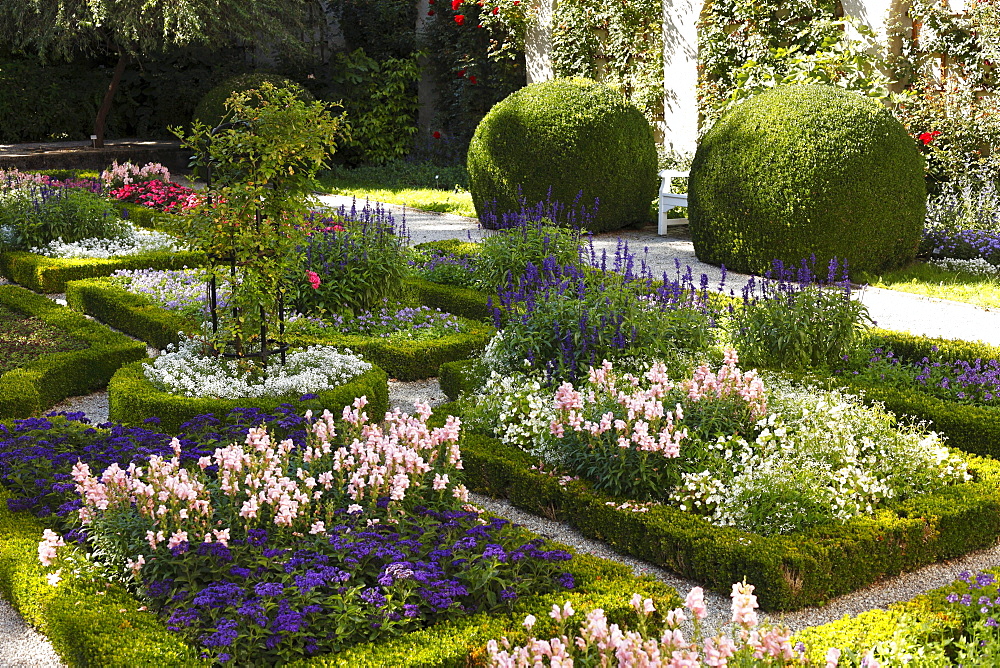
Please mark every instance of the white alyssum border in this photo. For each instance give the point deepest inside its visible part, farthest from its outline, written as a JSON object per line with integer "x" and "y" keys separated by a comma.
{"x": 188, "y": 371}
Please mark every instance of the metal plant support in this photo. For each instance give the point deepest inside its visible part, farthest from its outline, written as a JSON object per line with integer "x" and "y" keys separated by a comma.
{"x": 268, "y": 347}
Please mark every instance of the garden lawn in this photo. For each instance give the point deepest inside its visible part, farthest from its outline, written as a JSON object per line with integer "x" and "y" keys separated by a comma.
{"x": 928, "y": 280}
{"x": 419, "y": 185}
{"x": 24, "y": 339}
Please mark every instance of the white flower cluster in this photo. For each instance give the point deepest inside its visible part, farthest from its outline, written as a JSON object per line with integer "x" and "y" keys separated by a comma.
{"x": 188, "y": 371}
{"x": 135, "y": 241}
{"x": 518, "y": 411}
{"x": 977, "y": 266}
{"x": 817, "y": 455}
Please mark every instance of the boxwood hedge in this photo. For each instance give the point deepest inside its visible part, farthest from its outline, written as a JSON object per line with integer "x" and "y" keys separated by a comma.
{"x": 51, "y": 378}
{"x": 132, "y": 399}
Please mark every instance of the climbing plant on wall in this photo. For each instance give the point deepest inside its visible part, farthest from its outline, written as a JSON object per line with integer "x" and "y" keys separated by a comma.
{"x": 475, "y": 52}
{"x": 620, "y": 44}
{"x": 745, "y": 47}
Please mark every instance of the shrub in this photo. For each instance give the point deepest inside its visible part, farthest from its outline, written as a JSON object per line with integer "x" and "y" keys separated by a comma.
{"x": 561, "y": 138}
{"x": 807, "y": 170}
{"x": 212, "y": 108}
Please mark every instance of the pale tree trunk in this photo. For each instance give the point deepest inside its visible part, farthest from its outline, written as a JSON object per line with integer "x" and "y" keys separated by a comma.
{"x": 109, "y": 96}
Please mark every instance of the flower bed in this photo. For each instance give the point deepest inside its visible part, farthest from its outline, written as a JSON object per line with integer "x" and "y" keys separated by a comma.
{"x": 445, "y": 625}
{"x": 53, "y": 377}
{"x": 140, "y": 316}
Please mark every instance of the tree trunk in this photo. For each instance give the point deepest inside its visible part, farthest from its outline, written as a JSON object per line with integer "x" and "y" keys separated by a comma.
{"x": 109, "y": 96}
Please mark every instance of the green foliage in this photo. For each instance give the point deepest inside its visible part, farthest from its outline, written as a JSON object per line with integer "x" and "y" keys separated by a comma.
{"x": 504, "y": 255}
{"x": 50, "y": 102}
{"x": 132, "y": 398}
{"x": 619, "y": 45}
{"x": 39, "y": 215}
{"x": 359, "y": 265}
{"x": 807, "y": 170}
{"x": 554, "y": 140}
{"x": 51, "y": 274}
{"x": 398, "y": 174}
{"x": 811, "y": 328}
{"x": 467, "y": 303}
{"x": 263, "y": 168}
{"x": 384, "y": 30}
{"x": 380, "y": 100}
{"x": 136, "y": 315}
{"x": 51, "y": 378}
{"x": 212, "y": 109}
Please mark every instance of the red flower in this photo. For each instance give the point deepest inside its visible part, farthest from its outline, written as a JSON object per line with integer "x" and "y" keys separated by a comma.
{"x": 928, "y": 137}
{"x": 455, "y": 4}
{"x": 495, "y": 10}
{"x": 430, "y": 12}
{"x": 436, "y": 135}
{"x": 460, "y": 19}
{"x": 313, "y": 278}
{"x": 459, "y": 74}
{"x": 480, "y": 25}
{"x": 472, "y": 79}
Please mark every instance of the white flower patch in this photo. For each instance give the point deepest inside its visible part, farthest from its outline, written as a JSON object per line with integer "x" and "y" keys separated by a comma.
{"x": 519, "y": 411}
{"x": 977, "y": 266}
{"x": 135, "y": 241}
{"x": 188, "y": 371}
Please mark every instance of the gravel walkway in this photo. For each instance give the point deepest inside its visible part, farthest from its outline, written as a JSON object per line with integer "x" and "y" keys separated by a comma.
{"x": 21, "y": 646}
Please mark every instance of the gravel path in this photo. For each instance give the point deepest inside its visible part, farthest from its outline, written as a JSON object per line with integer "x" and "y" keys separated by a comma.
{"x": 21, "y": 646}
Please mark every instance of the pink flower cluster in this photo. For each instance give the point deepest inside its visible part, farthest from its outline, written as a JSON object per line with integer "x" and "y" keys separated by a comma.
{"x": 730, "y": 381}
{"x": 123, "y": 174}
{"x": 262, "y": 482}
{"x": 647, "y": 426}
{"x": 48, "y": 547}
{"x": 163, "y": 196}
{"x": 604, "y": 644}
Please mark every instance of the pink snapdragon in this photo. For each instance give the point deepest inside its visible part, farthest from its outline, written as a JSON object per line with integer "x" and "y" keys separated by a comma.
{"x": 48, "y": 547}
{"x": 598, "y": 642}
{"x": 730, "y": 381}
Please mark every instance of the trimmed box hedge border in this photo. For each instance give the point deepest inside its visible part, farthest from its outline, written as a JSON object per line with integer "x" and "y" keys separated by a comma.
{"x": 790, "y": 572}
{"x": 132, "y": 399}
{"x": 96, "y": 625}
{"x": 46, "y": 381}
{"x": 50, "y": 275}
{"x": 140, "y": 317}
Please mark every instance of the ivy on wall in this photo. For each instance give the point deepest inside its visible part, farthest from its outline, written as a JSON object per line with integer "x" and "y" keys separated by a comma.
{"x": 619, "y": 44}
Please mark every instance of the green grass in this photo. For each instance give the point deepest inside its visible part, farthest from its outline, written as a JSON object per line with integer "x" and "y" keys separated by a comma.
{"x": 419, "y": 185}
{"x": 24, "y": 339}
{"x": 930, "y": 281}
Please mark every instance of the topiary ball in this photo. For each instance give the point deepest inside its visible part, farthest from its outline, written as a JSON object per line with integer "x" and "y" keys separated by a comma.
{"x": 212, "y": 108}
{"x": 568, "y": 136}
{"x": 807, "y": 170}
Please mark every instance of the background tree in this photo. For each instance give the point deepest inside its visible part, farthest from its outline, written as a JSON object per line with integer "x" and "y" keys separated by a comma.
{"x": 61, "y": 29}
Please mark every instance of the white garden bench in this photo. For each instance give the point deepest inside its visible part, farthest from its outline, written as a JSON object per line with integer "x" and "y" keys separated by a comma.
{"x": 670, "y": 199}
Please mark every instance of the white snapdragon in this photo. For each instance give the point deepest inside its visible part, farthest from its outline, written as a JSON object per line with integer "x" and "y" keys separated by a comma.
{"x": 187, "y": 371}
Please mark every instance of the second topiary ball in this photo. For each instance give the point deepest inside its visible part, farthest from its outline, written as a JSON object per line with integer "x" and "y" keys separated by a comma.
{"x": 567, "y": 135}
{"x": 212, "y": 108}
{"x": 807, "y": 170}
